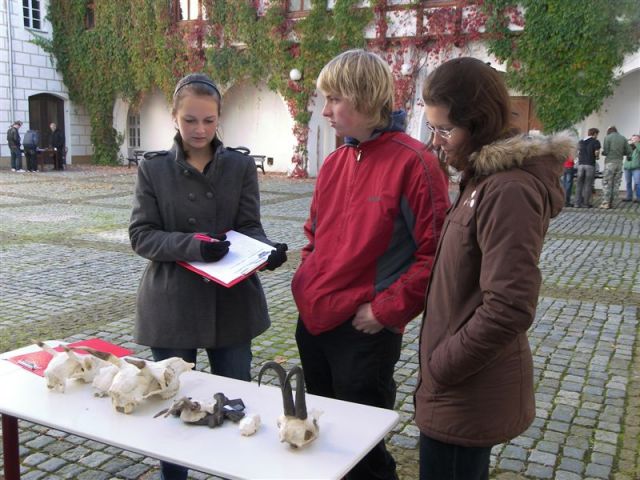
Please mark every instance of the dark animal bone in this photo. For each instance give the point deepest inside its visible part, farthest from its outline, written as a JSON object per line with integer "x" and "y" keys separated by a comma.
{"x": 211, "y": 415}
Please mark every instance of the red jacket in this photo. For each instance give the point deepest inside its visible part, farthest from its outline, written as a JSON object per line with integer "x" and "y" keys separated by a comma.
{"x": 374, "y": 225}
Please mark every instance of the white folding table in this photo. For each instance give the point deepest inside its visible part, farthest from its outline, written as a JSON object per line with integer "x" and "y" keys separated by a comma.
{"x": 347, "y": 430}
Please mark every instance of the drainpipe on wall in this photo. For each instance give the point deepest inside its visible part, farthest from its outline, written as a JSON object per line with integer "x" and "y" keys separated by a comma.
{"x": 10, "y": 44}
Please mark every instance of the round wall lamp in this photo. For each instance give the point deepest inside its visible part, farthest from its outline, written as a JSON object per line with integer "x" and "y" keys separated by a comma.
{"x": 406, "y": 69}
{"x": 295, "y": 74}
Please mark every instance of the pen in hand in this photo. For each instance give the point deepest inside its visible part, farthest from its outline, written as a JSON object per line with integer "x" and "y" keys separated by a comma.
{"x": 213, "y": 246}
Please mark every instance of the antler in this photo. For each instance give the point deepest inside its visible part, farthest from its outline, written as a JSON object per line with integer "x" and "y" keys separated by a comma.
{"x": 285, "y": 386}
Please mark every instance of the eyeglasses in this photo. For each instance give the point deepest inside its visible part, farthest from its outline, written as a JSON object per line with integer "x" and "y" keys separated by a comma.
{"x": 444, "y": 133}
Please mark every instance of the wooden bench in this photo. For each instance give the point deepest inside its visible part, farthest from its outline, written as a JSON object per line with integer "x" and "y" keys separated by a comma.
{"x": 134, "y": 157}
{"x": 259, "y": 159}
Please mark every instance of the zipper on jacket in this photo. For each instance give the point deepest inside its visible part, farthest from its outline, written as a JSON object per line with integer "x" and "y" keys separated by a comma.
{"x": 359, "y": 155}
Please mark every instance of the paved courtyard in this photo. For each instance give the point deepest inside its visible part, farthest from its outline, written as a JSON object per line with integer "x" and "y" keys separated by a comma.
{"x": 67, "y": 272}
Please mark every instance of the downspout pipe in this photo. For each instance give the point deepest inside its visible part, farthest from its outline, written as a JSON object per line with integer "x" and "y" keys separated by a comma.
{"x": 10, "y": 61}
{"x": 10, "y": 44}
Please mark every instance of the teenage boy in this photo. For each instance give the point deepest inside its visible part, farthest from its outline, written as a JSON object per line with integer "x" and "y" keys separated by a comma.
{"x": 376, "y": 214}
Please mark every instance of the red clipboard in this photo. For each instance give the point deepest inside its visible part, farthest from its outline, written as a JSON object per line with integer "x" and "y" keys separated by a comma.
{"x": 246, "y": 256}
{"x": 36, "y": 362}
{"x": 204, "y": 274}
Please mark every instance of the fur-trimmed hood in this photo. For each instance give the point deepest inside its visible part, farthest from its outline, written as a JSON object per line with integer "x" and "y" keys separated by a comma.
{"x": 541, "y": 156}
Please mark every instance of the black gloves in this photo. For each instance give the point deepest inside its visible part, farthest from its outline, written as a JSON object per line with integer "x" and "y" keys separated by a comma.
{"x": 277, "y": 257}
{"x": 214, "y": 251}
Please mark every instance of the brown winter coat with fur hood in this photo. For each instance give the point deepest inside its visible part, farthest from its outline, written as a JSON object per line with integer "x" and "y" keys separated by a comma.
{"x": 476, "y": 374}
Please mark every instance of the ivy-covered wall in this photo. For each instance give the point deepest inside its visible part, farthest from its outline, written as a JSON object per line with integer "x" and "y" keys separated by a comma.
{"x": 564, "y": 57}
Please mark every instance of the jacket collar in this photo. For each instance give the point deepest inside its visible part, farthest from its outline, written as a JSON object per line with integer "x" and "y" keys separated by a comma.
{"x": 515, "y": 151}
{"x": 397, "y": 123}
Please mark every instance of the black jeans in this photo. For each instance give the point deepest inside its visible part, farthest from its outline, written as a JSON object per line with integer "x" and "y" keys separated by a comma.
{"x": 444, "y": 461}
{"x": 356, "y": 367}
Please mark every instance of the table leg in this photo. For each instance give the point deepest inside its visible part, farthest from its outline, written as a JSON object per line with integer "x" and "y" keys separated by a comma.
{"x": 10, "y": 447}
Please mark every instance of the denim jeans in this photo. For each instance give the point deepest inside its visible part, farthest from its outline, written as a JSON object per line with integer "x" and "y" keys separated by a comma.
{"x": 584, "y": 186}
{"x": 632, "y": 181}
{"x": 16, "y": 158}
{"x": 444, "y": 461}
{"x": 32, "y": 162}
{"x": 567, "y": 183}
{"x": 231, "y": 362}
{"x": 347, "y": 364}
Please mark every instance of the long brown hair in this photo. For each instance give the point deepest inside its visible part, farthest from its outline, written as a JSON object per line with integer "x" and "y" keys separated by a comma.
{"x": 476, "y": 97}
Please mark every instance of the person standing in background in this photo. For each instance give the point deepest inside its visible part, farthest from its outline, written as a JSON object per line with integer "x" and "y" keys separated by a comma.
{"x": 57, "y": 143}
{"x": 588, "y": 154}
{"x": 567, "y": 180}
{"x": 615, "y": 147}
{"x": 13, "y": 139}
{"x": 632, "y": 170}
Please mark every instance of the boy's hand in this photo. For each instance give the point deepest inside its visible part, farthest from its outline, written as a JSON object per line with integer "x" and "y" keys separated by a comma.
{"x": 365, "y": 321}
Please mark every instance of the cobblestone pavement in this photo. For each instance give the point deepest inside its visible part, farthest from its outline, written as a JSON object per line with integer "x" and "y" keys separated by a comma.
{"x": 76, "y": 278}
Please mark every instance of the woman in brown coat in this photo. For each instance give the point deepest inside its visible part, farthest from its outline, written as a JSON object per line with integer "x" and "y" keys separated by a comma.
{"x": 476, "y": 382}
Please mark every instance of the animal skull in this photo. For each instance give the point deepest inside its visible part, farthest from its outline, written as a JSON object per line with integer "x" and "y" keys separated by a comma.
{"x": 129, "y": 381}
{"x": 295, "y": 427}
{"x": 68, "y": 365}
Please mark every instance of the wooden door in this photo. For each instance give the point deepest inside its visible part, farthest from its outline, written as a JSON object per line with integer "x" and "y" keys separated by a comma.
{"x": 45, "y": 109}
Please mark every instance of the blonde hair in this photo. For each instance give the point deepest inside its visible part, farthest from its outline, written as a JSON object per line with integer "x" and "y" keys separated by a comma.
{"x": 365, "y": 80}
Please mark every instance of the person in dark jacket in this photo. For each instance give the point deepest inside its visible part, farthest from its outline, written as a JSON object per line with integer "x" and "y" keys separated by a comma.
{"x": 374, "y": 224}
{"x": 57, "y": 143}
{"x": 13, "y": 140}
{"x": 588, "y": 153}
{"x": 196, "y": 190}
{"x": 475, "y": 388}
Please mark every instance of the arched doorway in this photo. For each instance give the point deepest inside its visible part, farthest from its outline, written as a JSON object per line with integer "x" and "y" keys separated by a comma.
{"x": 43, "y": 110}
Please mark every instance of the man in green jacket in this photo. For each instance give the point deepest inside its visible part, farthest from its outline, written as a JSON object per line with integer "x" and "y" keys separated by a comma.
{"x": 632, "y": 170}
{"x": 615, "y": 148}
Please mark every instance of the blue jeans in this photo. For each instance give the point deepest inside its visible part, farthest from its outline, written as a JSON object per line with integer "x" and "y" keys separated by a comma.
{"x": 584, "y": 187}
{"x": 445, "y": 461}
{"x": 567, "y": 183}
{"x": 231, "y": 362}
{"x": 632, "y": 180}
{"x": 16, "y": 158}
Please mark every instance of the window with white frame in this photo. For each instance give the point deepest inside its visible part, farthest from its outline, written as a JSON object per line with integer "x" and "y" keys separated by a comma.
{"x": 133, "y": 127}
{"x": 299, "y": 5}
{"x": 32, "y": 14}
{"x": 190, "y": 10}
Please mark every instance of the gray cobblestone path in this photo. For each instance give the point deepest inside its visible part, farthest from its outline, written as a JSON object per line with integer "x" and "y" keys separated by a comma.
{"x": 67, "y": 226}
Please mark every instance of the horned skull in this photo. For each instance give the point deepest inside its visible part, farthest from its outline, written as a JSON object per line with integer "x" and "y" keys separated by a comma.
{"x": 295, "y": 427}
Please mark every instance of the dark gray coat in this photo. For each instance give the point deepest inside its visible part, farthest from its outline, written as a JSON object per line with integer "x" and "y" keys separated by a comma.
{"x": 176, "y": 308}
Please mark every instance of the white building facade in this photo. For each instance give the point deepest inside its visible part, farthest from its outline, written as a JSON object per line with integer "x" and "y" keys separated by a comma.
{"x": 252, "y": 115}
{"x": 31, "y": 90}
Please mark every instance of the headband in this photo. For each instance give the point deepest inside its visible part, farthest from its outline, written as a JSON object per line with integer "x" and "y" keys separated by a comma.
{"x": 197, "y": 80}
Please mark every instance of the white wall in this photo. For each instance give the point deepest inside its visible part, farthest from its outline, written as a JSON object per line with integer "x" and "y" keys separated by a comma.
{"x": 257, "y": 118}
{"x": 33, "y": 72}
{"x": 322, "y": 138}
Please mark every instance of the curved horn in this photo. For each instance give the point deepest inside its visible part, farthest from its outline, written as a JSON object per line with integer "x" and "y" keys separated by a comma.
{"x": 139, "y": 363}
{"x": 301, "y": 403}
{"x": 285, "y": 386}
